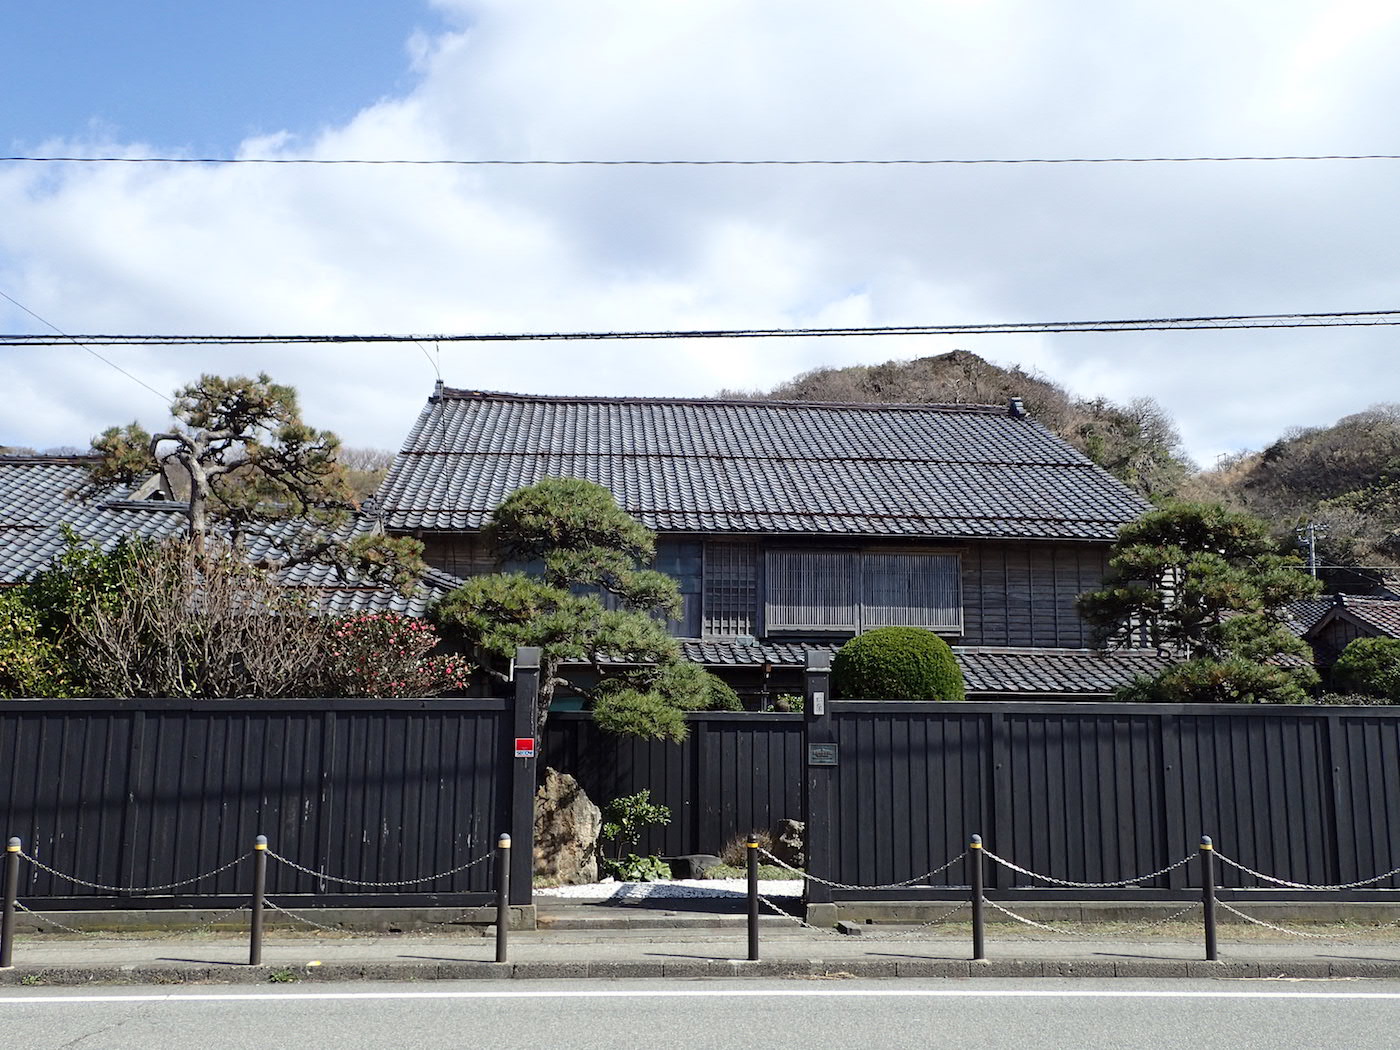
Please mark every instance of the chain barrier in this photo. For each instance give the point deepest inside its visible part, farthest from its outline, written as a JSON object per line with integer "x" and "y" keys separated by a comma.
{"x": 1305, "y": 885}
{"x": 204, "y": 927}
{"x": 133, "y": 889}
{"x": 913, "y": 931}
{"x": 845, "y": 886}
{"x": 300, "y": 918}
{"x": 1268, "y": 925}
{"x": 379, "y": 885}
{"x": 1139, "y": 928}
{"x": 800, "y": 921}
{"x": 1087, "y": 885}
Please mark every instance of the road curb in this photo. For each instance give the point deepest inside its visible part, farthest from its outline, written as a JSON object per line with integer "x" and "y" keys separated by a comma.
{"x": 810, "y": 969}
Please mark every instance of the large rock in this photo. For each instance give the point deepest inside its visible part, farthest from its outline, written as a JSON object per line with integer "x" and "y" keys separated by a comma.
{"x": 567, "y": 824}
{"x": 790, "y": 842}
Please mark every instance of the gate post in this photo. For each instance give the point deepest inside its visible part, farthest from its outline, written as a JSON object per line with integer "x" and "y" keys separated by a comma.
{"x": 818, "y": 783}
{"x": 523, "y": 761}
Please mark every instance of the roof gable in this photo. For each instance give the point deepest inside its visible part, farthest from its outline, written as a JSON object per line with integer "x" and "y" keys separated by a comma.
{"x": 691, "y": 465}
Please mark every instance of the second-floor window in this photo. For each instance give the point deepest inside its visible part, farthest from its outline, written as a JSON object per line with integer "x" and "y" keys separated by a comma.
{"x": 853, "y": 591}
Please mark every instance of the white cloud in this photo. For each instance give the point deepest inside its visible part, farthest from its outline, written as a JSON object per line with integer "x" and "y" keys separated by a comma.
{"x": 141, "y": 248}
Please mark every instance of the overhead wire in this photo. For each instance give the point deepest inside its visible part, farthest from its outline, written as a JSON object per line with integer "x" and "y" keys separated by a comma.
{"x": 78, "y": 341}
{"x": 1346, "y": 319}
{"x": 697, "y": 162}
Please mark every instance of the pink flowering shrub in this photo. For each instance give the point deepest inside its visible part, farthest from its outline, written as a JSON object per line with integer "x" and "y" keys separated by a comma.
{"x": 387, "y": 655}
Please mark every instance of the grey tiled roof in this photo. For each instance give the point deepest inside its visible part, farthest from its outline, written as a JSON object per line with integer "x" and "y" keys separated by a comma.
{"x": 1381, "y": 615}
{"x": 1028, "y": 672}
{"x": 757, "y": 467}
{"x": 38, "y": 496}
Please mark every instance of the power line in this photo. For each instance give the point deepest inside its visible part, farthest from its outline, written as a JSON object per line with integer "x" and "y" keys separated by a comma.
{"x": 1369, "y": 318}
{"x": 66, "y": 339}
{"x": 697, "y": 163}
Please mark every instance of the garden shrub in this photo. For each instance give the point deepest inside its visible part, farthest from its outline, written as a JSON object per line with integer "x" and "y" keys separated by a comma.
{"x": 897, "y": 663}
{"x": 1369, "y": 666}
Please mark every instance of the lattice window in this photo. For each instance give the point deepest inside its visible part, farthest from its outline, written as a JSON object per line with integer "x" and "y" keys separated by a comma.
{"x": 730, "y": 589}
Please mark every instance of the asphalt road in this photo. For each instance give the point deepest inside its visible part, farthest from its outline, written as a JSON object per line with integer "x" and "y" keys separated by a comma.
{"x": 592, "y": 1015}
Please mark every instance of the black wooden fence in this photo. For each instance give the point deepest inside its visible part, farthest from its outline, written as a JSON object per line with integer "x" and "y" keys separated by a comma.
{"x": 1099, "y": 793}
{"x": 147, "y": 793}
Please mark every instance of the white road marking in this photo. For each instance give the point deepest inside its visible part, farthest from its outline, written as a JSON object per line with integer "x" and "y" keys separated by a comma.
{"x": 694, "y": 993}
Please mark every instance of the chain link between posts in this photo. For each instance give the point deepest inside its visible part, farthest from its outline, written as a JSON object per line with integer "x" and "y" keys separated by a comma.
{"x": 846, "y": 886}
{"x": 133, "y": 889}
{"x": 1305, "y": 885}
{"x": 379, "y": 885}
{"x": 1087, "y": 885}
{"x": 1138, "y": 928}
{"x": 204, "y": 927}
{"x": 300, "y": 918}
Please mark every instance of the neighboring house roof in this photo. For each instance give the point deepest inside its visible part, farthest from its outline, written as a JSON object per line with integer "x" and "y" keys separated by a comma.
{"x": 38, "y": 496}
{"x": 1038, "y": 672}
{"x": 711, "y": 466}
{"x": 1376, "y": 616}
{"x": 1300, "y": 616}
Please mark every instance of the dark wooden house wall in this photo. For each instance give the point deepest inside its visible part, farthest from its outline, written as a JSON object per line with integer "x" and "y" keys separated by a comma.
{"x": 1013, "y": 594}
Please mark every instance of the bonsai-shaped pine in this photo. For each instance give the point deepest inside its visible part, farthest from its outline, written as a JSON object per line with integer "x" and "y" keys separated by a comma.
{"x": 1369, "y": 667}
{"x": 1208, "y": 585}
{"x": 897, "y": 663}
{"x": 253, "y": 468}
{"x": 586, "y": 547}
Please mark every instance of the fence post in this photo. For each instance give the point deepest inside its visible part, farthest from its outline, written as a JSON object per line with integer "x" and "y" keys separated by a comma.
{"x": 503, "y": 857}
{"x": 524, "y": 762}
{"x": 752, "y": 857}
{"x": 820, "y": 758}
{"x": 255, "y": 927}
{"x": 979, "y": 915}
{"x": 1208, "y": 896}
{"x": 7, "y": 921}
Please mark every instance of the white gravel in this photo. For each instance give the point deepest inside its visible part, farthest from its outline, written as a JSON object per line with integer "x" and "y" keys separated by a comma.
{"x": 674, "y": 888}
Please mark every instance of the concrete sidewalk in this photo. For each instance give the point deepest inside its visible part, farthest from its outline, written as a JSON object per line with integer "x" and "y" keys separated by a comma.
{"x": 681, "y": 945}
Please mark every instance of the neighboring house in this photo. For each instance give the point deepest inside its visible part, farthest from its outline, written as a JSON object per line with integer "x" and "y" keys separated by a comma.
{"x": 794, "y": 526}
{"x": 39, "y": 496}
{"x": 1330, "y": 622}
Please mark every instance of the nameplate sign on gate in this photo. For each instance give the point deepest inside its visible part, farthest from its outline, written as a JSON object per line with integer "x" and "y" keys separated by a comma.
{"x": 821, "y": 754}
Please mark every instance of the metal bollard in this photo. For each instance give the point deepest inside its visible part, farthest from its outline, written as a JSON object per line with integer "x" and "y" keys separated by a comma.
{"x": 255, "y": 926}
{"x": 751, "y": 853}
{"x": 1208, "y": 897}
{"x": 979, "y": 914}
{"x": 502, "y": 897}
{"x": 7, "y": 921}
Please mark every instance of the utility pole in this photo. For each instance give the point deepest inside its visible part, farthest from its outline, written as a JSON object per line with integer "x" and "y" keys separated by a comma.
{"x": 1307, "y": 539}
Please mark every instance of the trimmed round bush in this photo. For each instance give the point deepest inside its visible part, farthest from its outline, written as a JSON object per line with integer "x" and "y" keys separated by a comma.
{"x": 897, "y": 663}
{"x": 1369, "y": 666}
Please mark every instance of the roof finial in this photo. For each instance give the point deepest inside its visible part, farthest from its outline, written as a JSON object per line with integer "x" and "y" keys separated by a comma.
{"x": 1016, "y": 407}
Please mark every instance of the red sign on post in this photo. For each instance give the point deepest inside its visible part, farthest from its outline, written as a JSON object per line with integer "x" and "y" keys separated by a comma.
{"x": 524, "y": 747}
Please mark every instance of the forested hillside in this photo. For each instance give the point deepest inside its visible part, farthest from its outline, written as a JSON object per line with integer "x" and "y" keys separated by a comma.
{"x": 1344, "y": 479}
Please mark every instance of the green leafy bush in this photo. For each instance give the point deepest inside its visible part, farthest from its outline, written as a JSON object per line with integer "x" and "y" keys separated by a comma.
{"x": 627, "y": 711}
{"x": 633, "y": 868}
{"x": 897, "y": 663}
{"x": 625, "y": 818}
{"x": 1369, "y": 666}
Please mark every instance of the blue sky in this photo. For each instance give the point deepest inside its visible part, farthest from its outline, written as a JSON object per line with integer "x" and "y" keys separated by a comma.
{"x": 159, "y": 248}
{"x": 197, "y": 76}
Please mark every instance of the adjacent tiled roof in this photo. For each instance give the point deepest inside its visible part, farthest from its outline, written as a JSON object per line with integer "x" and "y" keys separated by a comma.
{"x": 1301, "y": 616}
{"x": 1029, "y": 672}
{"x": 757, "y": 467}
{"x": 1381, "y": 615}
{"x": 39, "y": 495}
